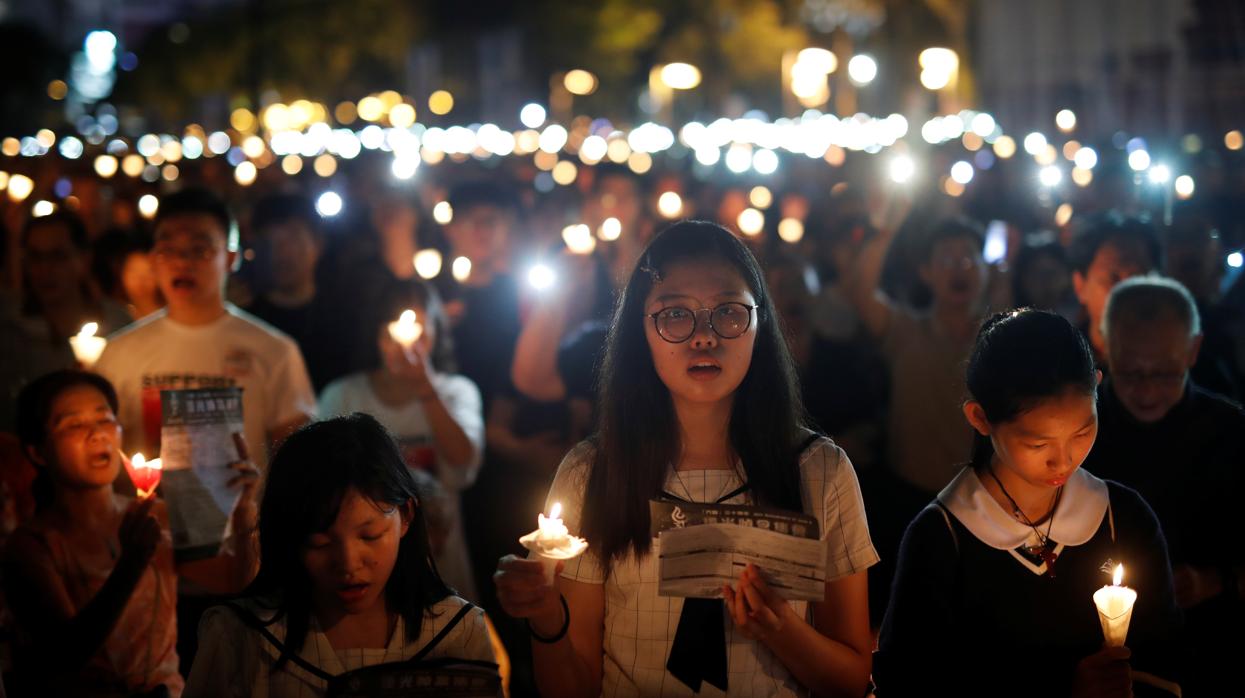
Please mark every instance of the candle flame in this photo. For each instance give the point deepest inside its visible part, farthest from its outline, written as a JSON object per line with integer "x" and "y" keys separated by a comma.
{"x": 556, "y": 510}
{"x": 407, "y": 318}
{"x": 140, "y": 462}
{"x": 1118, "y": 576}
{"x": 89, "y": 329}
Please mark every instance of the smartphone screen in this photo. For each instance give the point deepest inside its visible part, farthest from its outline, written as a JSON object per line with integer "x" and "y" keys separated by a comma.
{"x": 996, "y": 242}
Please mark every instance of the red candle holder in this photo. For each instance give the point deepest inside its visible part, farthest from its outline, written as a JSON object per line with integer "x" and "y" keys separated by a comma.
{"x": 145, "y": 474}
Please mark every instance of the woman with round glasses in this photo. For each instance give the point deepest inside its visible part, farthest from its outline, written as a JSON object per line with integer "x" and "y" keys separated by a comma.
{"x": 698, "y": 403}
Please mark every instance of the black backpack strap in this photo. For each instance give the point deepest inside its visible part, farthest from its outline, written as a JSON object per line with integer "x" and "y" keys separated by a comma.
{"x": 462, "y": 612}
{"x": 259, "y": 626}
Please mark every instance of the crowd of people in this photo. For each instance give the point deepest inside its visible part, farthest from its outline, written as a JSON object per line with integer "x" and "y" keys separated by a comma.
{"x": 974, "y": 439}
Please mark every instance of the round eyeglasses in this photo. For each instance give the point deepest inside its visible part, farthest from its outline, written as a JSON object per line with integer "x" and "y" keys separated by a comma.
{"x": 677, "y": 324}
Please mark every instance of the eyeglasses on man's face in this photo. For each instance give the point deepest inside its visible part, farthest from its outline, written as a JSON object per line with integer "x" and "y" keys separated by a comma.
{"x": 677, "y": 324}
{"x": 198, "y": 252}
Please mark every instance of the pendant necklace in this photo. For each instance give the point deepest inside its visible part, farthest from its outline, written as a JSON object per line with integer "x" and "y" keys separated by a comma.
{"x": 1045, "y": 550}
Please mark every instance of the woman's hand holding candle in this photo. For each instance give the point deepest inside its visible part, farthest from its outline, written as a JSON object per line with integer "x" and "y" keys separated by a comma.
{"x": 411, "y": 364}
{"x": 551, "y": 541}
{"x": 86, "y": 346}
{"x": 1104, "y": 674}
{"x": 525, "y": 591}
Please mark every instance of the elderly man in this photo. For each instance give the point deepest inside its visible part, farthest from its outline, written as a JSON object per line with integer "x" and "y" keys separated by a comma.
{"x": 1183, "y": 449}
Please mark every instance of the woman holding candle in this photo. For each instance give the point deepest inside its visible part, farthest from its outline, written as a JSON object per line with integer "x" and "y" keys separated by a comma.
{"x": 995, "y": 588}
{"x": 346, "y": 588}
{"x": 435, "y": 414}
{"x": 90, "y": 579}
{"x": 698, "y": 402}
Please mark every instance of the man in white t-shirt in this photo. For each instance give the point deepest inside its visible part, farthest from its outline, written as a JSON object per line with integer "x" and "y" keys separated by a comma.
{"x": 200, "y": 341}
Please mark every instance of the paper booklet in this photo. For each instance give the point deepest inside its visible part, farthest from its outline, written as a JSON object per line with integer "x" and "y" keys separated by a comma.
{"x": 197, "y": 447}
{"x": 703, "y": 547}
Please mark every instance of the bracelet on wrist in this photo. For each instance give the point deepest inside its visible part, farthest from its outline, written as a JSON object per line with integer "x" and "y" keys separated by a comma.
{"x": 566, "y": 624}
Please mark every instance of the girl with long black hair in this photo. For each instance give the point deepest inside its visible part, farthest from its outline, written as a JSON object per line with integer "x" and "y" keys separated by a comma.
{"x": 698, "y": 402}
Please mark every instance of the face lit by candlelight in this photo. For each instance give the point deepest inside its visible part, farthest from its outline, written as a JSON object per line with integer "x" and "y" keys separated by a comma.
{"x": 706, "y": 368}
{"x": 1042, "y": 447}
{"x": 83, "y": 438}
{"x": 350, "y": 562}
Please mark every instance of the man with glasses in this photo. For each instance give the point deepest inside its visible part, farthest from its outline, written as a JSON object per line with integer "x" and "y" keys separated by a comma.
{"x": 1183, "y": 449}
{"x": 199, "y": 340}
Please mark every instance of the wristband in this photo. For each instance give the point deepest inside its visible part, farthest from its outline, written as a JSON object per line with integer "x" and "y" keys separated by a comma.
{"x": 566, "y": 624}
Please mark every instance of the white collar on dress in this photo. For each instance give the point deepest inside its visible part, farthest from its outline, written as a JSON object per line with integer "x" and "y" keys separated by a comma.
{"x": 1081, "y": 509}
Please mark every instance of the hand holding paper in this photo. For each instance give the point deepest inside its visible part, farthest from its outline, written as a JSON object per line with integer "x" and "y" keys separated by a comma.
{"x": 757, "y": 610}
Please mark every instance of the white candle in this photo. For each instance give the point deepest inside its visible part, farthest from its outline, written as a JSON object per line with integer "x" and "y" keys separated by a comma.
{"x": 86, "y": 346}
{"x": 1115, "y": 609}
{"x": 406, "y": 331}
{"x": 552, "y": 532}
{"x": 551, "y": 541}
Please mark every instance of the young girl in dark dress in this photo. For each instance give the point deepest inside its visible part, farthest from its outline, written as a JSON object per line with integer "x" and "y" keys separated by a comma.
{"x": 994, "y": 589}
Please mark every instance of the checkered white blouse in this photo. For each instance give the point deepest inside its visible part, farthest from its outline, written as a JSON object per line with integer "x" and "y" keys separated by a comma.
{"x": 640, "y": 625}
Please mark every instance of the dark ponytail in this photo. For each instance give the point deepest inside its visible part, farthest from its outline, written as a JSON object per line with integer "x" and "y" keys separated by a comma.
{"x": 1022, "y": 357}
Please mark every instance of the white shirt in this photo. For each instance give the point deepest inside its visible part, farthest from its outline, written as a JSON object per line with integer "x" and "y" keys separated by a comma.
{"x": 640, "y": 625}
{"x": 157, "y": 353}
{"x": 234, "y": 661}
{"x": 410, "y": 425}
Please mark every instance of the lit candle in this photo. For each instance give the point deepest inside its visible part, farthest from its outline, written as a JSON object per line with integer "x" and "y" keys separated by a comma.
{"x": 406, "y": 331}
{"x": 551, "y": 541}
{"x": 1115, "y": 609}
{"x": 145, "y": 474}
{"x": 86, "y": 346}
